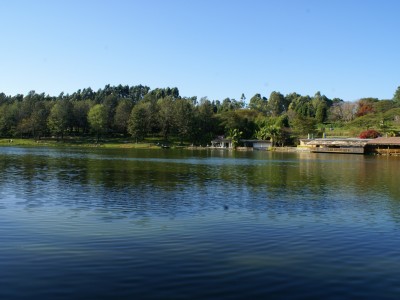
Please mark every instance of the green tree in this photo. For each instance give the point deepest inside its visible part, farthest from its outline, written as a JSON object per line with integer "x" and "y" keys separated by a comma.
{"x": 110, "y": 104}
{"x": 3, "y": 98}
{"x": 396, "y": 96}
{"x": 291, "y": 98}
{"x": 384, "y": 105}
{"x": 8, "y": 118}
{"x": 87, "y": 94}
{"x": 301, "y": 125}
{"x": 98, "y": 117}
{"x": 243, "y": 100}
{"x": 60, "y": 117}
{"x": 32, "y": 118}
{"x": 204, "y": 123}
{"x": 258, "y": 103}
{"x": 4, "y": 128}
{"x": 166, "y": 115}
{"x": 137, "y": 93}
{"x": 235, "y": 135}
{"x": 230, "y": 104}
{"x": 303, "y": 106}
{"x": 139, "y": 121}
{"x": 229, "y": 120}
{"x": 153, "y": 109}
{"x": 275, "y": 133}
{"x": 122, "y": 115}
{"x": 80, "y": 112}
{"x": 320, "y": 104}
{"x": 183, "y": 117}
{"x": 276, "y": 104}
{"x": 321, "y": 112}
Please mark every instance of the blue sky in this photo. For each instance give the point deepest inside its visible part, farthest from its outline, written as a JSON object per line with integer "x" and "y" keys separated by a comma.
{"x": 216, "y": 48}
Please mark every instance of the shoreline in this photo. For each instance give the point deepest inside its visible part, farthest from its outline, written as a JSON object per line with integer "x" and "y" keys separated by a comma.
{"x": 148, "y": 145}
{"x": 124, "y": 144}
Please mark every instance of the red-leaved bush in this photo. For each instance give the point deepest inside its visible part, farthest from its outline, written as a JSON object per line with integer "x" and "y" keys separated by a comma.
{"x": 369, "y": 134}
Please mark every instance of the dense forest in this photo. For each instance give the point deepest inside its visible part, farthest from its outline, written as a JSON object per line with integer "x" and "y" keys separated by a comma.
{"x": 139, "y": 112}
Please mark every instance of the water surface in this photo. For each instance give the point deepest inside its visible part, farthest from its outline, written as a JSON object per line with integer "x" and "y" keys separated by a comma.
{"x": 180, "y": 224}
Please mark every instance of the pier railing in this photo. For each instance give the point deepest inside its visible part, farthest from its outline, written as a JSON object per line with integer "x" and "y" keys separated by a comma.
{"x": 388, "y": 151}
{"x": 349, "y": 150}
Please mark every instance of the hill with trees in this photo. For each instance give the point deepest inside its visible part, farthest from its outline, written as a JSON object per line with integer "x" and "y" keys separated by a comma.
{"x": 140, "y": 112}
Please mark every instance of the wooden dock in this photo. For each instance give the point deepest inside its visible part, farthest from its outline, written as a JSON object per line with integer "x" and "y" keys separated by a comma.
{"x": 384, "y": 146}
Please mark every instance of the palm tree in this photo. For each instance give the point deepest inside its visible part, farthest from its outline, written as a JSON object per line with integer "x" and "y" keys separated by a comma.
{"x": 272, "y": 131}
{"x": 235, "y": 136}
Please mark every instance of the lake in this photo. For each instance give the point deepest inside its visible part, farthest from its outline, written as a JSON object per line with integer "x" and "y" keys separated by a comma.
{"x": 202, "y": 224}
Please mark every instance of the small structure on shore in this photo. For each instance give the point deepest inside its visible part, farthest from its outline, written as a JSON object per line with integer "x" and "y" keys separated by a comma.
{"x": 337, "y": 145}
{"x": 221, "y": 142}
{"x": 384, "y": 146}
{"x": 380, "y": 146}
{"x": 224, "y": 143}
{"x": 256, "y": 144}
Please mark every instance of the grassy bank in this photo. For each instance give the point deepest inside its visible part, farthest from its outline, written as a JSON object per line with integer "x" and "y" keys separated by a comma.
{"x": 83, "y": 143}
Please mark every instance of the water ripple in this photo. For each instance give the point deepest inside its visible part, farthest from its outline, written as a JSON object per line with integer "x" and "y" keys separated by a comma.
{"x": 182, "y": 225}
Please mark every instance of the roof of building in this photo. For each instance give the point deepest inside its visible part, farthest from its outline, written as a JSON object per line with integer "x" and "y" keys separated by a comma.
{"x": 385, "y": 141}
{"x": 338, "y": 142}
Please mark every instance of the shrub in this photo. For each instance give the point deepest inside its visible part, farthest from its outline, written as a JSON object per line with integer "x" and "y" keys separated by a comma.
{"x": 369, "y": 134}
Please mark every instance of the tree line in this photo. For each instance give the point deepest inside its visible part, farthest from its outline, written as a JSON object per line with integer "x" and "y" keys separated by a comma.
{"x": 139, "y": 112}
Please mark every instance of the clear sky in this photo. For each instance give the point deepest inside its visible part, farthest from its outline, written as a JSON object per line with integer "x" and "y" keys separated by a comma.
{"x": 216, "y": 48}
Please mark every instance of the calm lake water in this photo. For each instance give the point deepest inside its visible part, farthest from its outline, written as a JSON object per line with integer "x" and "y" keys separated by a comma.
{"x": 171, "y": 224}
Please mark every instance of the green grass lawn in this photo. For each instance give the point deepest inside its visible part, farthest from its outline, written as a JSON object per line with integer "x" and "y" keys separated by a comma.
{"x": 150, "y": 143}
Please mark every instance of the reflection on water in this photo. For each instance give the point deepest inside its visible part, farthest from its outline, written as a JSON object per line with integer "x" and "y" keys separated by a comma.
{"x": 197, "y": 224}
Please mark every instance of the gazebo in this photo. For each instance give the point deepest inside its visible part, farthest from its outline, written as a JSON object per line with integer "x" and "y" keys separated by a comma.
{"x": 221, "y": 142}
